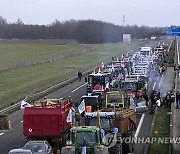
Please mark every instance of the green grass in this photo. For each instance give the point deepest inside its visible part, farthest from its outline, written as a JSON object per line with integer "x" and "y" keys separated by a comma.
{"x": 26, "y": 54}
{"x": 17, "y": 83}
{"x": 161, "y": 129}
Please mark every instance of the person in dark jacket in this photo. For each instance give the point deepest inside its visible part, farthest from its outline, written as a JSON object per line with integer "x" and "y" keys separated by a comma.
{"x": 153, "y": 98}
{"x": 168, "y": 99}
{"x": 79, "y": 75}
{"x": 145, "y": 96}
{"x": 177, "y": 99}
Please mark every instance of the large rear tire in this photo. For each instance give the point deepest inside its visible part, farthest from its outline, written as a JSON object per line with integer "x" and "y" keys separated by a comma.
{"x": 128, "y": 147}
{"x": 117, "y": 149}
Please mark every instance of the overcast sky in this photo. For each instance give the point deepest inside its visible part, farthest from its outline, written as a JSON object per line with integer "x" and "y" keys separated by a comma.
{"x": 140, "y": 12}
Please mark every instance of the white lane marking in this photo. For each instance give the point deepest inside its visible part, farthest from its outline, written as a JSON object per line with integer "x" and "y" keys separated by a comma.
{"x": 21, "y": 120}
{"x": 139, "y": 126}
{"x": 1, "y": 134}
{"x": 160, "y": 82}
{"x": 79, "y": 87}
{"x": 154, "y": 85}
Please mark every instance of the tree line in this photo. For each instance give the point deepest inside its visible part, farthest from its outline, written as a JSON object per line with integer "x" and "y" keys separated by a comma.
{"x": 84, "y": 31}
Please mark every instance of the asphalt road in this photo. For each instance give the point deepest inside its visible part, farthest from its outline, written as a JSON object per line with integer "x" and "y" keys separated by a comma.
{"x": 14, "y": 138}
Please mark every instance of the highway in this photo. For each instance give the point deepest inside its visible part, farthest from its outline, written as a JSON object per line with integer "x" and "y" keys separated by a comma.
{"x": 14, "y": 137}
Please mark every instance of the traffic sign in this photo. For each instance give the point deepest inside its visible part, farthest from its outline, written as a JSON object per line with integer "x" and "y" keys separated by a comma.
{"x": 173, "y": 31}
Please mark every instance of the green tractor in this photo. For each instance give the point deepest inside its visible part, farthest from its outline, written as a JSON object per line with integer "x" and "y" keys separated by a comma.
{"x": 111, "y": 135}
{"x": 88, "y": 138}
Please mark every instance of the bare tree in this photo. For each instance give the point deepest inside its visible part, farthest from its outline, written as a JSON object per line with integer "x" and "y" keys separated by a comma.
{"x": 3, "y": 21}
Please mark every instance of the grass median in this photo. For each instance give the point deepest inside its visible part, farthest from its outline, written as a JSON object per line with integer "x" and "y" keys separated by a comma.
{"x": 26, "y": 80}
{"x": 161, "y": 130}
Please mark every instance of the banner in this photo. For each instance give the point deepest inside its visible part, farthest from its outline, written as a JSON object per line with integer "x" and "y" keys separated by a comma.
{"x": 25, "y": 104}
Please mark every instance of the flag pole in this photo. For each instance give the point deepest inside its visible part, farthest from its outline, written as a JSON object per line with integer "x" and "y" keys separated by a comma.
{"x": 98, "y": 120}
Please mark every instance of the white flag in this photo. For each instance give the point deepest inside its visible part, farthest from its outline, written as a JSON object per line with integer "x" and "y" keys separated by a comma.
{"x": 69, "y": 117}
{"x": 25, "y": 104}
{"x": 99, "y": 70}
{"x": 73, "y": 109}
{"x": 102, "y": 88}
{"x": 102, "y": 65}
{"x": 81, "y": 107}
{"x": 107, "y": 85}
{"x": 112, "y": 67}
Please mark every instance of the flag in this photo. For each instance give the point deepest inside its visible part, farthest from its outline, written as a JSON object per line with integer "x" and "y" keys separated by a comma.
{"x": 25, "y": 104}
{"x": 99, "y": 70}
{"x": 98, "y": 122}
{"x": 112, "y": 67}
{"x": 102, "y": 88}
{"x": 73, "y": 109}
{"x": 107, "y": 89}
{"x": 84, "y": 147}
{"x": 81, "y": 107}
{"x": 102, "y": 65}
{"x": 107, "y": 85}
{"x": 69, "y": 117}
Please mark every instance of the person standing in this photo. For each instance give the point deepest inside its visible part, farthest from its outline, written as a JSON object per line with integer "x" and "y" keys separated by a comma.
{"x": 98, "y": 86}
{"x": 168, "y": 99}
{"x": 177, "y": 99}
{"x": 145, "y": 96}
{"x": 79, "y": 75}
{"x": 153, "y": 98}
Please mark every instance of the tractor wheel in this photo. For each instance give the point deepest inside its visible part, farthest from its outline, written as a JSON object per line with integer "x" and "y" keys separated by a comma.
{"x": 129, "y": 148}
{"x": 117, "y": 149}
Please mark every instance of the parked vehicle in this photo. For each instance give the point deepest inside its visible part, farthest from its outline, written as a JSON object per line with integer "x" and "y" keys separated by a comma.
{"x": 20, "y": 151}
{"x": 141, "y": 106}
{"x": 38, "y": 147}
{"x": 145, "y": 50}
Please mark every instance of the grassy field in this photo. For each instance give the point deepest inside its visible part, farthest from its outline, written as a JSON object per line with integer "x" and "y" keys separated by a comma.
{"x": 18, "y": 82}
{"x": 161, "y": 129}
{"x": 15, "y": 56}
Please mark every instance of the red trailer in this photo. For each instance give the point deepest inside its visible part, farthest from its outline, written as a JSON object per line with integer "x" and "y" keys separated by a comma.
{"x": 47, "y": 120}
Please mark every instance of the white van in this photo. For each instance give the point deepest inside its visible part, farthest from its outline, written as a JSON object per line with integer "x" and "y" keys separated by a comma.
{"x": 145, "y": 50}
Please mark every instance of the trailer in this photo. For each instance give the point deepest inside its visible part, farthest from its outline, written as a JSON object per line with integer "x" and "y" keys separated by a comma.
{"x": 47, "y": 120}
{"x": 4, "y": 122}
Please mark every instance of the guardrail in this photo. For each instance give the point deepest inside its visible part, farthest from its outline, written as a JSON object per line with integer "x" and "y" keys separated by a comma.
{"x": 39, "y": 95}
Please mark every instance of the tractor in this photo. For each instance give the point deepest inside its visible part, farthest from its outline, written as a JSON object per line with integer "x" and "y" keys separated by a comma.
{"x": 87, "y": 139}
{"x": 114, "y": 124}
